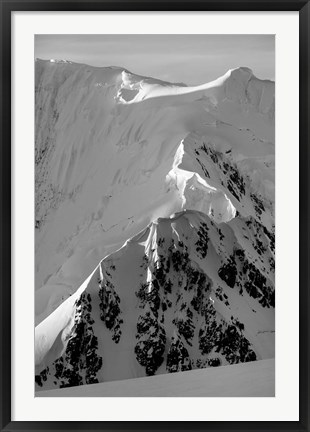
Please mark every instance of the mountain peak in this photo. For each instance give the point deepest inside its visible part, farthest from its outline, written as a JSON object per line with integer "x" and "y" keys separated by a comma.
{"x": 242, "y": 70}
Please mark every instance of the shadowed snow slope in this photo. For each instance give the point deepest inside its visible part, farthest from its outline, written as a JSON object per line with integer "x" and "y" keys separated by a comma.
{"x": 171, "y": 190}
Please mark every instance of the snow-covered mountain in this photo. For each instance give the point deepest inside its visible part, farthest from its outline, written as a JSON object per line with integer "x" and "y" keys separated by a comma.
{"x": 154, "y": 223}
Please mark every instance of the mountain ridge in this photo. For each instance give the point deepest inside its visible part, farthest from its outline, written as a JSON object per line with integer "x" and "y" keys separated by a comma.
{"x": 117, "y": 156}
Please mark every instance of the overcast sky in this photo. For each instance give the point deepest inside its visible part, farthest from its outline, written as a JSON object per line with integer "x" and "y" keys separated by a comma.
{"x": 192, "y": 59}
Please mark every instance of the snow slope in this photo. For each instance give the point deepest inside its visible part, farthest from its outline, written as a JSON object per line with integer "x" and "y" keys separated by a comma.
{"x": 141, "y": 175}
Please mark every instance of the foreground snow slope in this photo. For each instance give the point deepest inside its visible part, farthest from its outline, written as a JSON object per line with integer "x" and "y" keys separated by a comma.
{"x": 114, "y": 151}
{"x": 243, "y": 380}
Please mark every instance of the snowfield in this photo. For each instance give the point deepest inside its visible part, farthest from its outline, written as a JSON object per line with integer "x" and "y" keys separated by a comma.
{"x": 154, "y": 227}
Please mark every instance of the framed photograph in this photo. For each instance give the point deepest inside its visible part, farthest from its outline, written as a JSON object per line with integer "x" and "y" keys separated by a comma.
{"x": 154, "y": 217}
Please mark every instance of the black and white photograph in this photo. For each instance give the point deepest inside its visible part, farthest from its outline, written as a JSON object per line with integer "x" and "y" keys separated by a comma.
{"x": 154, "y": 215}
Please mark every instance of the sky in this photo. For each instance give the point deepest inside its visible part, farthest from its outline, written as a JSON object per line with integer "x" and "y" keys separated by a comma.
{"x": 192, "y": 59}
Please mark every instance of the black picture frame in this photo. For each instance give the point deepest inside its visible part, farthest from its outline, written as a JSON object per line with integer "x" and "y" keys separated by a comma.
{"x": 7, "y": 7}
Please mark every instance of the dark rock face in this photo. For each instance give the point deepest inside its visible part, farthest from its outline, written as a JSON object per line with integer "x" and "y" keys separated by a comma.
{"x": 238, "y": 270}
{"x": 109, "y": 307}
{"x": 191, "y": 304}
{"x": 258, "y": 204}
{"x": 271, "y": 237}
{"x": 235, "y": 182}
{"x": 179, "y": 326}
{"x": 178, "y": 358}
{"x": 212, "y": 163}
{"x": 232, "y": 179}
{"x": 228, "y": 272}
{"x": 80, "y": 362}
{"x": 257, "y": 286}
{"x": 151, "y": 341}
{"x": 151, "y": 335}
{"x": 202, "y": 243}
{"x": 227, "y": 339}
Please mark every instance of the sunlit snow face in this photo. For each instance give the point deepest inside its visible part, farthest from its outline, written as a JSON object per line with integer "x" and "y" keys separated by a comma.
{"x": 196, "y": 194}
